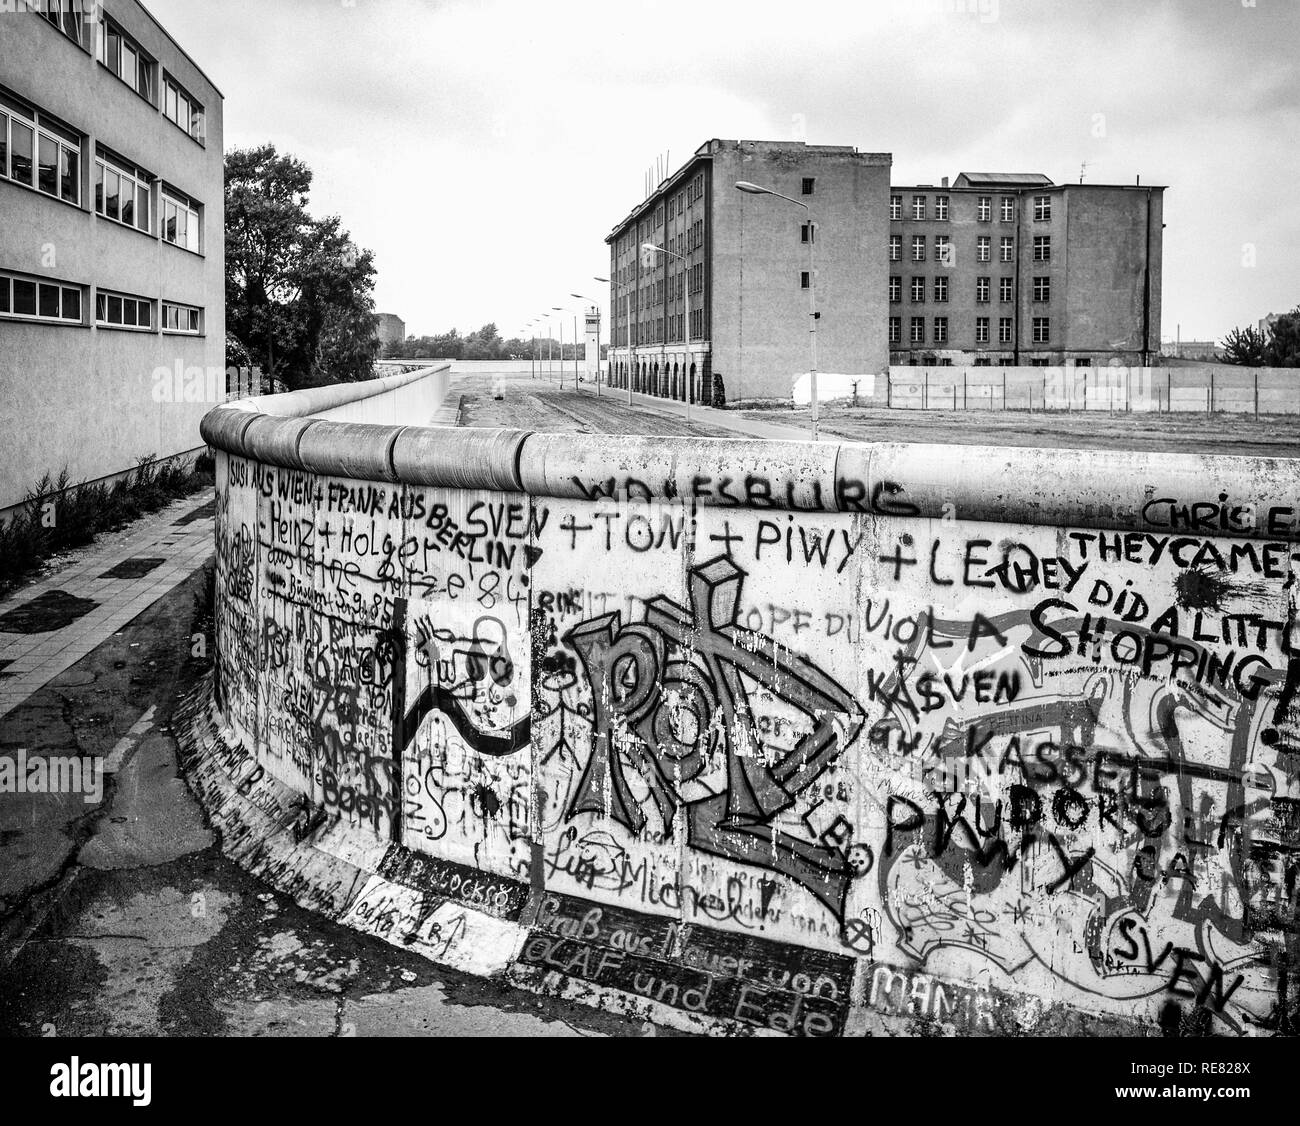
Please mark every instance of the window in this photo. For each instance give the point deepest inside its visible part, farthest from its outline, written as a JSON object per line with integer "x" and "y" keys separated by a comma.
{"x": 981, "y": 330}
{"x": 1085, "y": 362}
{"x": 896, "y": 207}
{"x": 1042, "y": 289}
{"x": 895, "y": 290}
{"x": 39, "y": 299}
{"x": 1041, "y": 326}
{"x": 124, "y": 58}
{"x": 985, "y": 208}
{"x": 1008, "y": 209}
{"x": 895, "y": 248}
{"x": 918, "y": 207}
{"x": 984, "y": 248}
{"x": 982, "y": 290}
{"x": 1042, "y": 208}
{"x": 807, "y": 233}
{"x": 117, "y": 310}
{"x": 805, "y": 280}
{"x": 184, "y": 111}
{"x": 1042, "y": 248}
{"x": 941, "y": 207}
{"x": 1006, "y": 290}
{"x": 123, "y": 196}
{"x": 1004, "y": 330}
{"x": 895, "y": 330}
{"x": 808, "y": 184}
{"x": 1008, "y": 249}
{"x": 943, "y": 251}
{"x": 983, "y": 362}
{"x": 918, "y": 248}
{"x": 918, "y": 291}
{"x": 941, "y": 289}
{"x": 180, "y": 224}
{"x": 66, "y": 15}
{"x": 918, "y": 330}
{"x": 941, "y": 330}
{"x": 38, "y": 154}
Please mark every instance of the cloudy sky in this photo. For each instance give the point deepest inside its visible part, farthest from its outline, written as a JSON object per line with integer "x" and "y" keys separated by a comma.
{"x": 484, "y": 148}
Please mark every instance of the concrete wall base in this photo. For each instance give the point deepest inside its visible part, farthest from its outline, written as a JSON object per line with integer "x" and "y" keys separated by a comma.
{"x": 685, "y": 977}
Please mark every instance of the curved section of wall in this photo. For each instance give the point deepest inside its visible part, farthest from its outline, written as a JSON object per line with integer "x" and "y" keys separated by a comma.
{"x": 779, "y": 737}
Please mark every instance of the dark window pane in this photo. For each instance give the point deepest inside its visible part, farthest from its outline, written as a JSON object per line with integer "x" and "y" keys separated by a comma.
{"x": 194, "y": 320}
{"x": 114, "y": 310}
{"x": 128, "y": 203}
{"x": 128, "y": 313}
{"x": 146, "y": 314}
{"x": 4, "y": 144}
{"x": 23, "y": 138}
{"x": 49, "y": 165}
{"x": 49, "y": 301}
{"x": 101, "y": 307}
{"x": 25, "y": 297}
{"x": 112, "y": 187}
{"x": 4, "y": 295}
{"x": 99, "y": 188}
{"x": 70, "y": 176}
{"x": 142, "y": 207}
{"x": 145, "y": 81}
{"x": 114, "y": 52}
{"x": 71, "y": 304}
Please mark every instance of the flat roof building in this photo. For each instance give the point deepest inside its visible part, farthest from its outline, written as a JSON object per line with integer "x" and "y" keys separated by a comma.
{"x": 1009, "y": 268}
{"x": 390, "y": 329}
{"x": 721, "y": 308}
{"x": 112, "y": 245}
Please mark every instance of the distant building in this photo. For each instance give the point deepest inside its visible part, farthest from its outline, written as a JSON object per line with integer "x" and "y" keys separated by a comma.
{"x": 1266, "y": 323}
{"x": 1207, "y": 351}
{"x": 726, "y": 300}
{"x": 112, "y": 246}
{"x": 391, "y": 329}
{"x": 1009, "y": 268}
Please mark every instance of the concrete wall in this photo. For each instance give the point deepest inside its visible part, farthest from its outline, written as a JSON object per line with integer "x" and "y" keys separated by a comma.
{"x": 777, "y": 737}
{"x": 1217, "y": 387}
{"x": 76, "y": 395}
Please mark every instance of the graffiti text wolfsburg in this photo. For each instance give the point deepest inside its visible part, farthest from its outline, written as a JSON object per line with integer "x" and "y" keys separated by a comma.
{"x": 52, "y": 774}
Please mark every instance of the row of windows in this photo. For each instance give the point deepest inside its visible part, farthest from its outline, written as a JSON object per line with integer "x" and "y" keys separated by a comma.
{"x": 33, "y": 299}
{"x": 984, "y": 205}
{"x": 34, "y": 155}
{"x": 947, "y": 254}
{"x": 128, "y": 61}
{"x": 1041, "y": 330}
{"x": 1042, "y": 289}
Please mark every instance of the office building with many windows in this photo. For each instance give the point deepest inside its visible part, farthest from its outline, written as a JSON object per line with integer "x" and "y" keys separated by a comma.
{"x": 719, "y": 306}
{"x": 1010, "y": 269}
{"x": 112, "y": 250}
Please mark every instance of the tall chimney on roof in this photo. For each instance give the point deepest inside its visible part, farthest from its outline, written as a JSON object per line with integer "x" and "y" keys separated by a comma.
{"x": 945, "y": 181}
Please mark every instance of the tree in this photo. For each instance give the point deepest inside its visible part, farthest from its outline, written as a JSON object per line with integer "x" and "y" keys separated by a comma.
{"x": 299, "y": 294}
{"x": 1244, "y": 347}
{"x": 1283, "y": 347}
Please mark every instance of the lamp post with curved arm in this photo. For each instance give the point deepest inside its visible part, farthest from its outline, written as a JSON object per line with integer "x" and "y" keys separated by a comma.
{"x": 690, "y": 391}
{"x": 813, "y": 315}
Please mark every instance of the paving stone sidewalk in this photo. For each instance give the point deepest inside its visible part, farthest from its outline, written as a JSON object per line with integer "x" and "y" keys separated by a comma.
{"x": 50, "y": 625}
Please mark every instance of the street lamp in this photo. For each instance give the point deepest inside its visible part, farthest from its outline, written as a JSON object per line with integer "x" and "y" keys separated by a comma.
{"x": 562, "y": 309}
{"x": 613, "y": 325}
{"x": 532, "y": 359}
{"x": 690, "y": 391}
{"x": 583, "y": 297}
{"x": 757, "y": 189}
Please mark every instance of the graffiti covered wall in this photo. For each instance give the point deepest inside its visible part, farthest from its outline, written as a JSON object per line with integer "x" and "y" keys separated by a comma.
{"x": 743, "y": 742}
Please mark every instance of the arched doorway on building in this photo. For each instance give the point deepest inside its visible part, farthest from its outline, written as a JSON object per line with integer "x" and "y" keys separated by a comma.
{"x": 695, "y": 388}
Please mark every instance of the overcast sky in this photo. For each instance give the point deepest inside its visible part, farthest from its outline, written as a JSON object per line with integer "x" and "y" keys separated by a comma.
{"x": 484, "y": 148}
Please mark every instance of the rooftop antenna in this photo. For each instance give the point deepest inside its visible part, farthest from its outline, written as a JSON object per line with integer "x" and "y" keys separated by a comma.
{"x": 1082, "y": 169}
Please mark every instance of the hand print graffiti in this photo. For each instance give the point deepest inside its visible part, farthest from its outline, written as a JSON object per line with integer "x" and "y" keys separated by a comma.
{"x": 672, "y": 703}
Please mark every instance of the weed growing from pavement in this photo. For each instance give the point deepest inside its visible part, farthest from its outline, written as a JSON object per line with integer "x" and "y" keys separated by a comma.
{"x": 57, "y": 516}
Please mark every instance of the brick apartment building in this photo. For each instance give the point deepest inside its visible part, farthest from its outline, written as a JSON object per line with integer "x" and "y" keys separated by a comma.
{"x": 1009, "y": 269}
{"x": 723, "y": 305}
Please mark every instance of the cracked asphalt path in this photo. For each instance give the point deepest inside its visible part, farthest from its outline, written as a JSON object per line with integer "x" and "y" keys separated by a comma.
{"x": 123, "y": 919}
